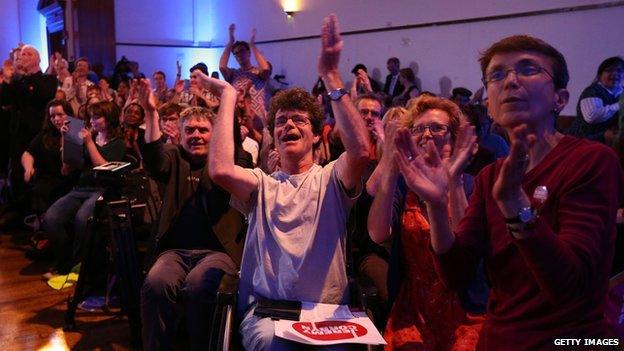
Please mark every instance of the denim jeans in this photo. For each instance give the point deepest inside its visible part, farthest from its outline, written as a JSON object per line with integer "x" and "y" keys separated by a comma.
{"x": 78, "y": 205}
{"x": 181, "y": 281}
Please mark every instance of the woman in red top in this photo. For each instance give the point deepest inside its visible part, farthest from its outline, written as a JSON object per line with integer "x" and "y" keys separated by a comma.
{"x": 542, "y": 219}
{"x": 426, "y": 315}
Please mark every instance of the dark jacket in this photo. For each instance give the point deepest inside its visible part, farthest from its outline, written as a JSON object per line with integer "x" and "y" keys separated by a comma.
{"x": 398, "y": 87}
{"x": 27, "y": 96}
{"x": 168, "y": 164}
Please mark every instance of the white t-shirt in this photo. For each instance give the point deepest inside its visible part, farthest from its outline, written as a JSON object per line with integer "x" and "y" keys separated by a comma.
{"x": 295, "y": 246}
{"x": 253, "y": 148}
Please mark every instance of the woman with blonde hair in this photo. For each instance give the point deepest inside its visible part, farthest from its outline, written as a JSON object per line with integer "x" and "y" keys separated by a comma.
{"x": 425, "y": 315}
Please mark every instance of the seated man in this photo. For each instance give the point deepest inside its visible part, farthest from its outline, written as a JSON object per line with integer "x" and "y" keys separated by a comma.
{"x": 297, "y": 216}
{"x": 198, "y": 233}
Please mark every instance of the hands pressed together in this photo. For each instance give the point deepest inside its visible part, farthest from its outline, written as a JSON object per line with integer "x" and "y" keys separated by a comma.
{"x": 507, "y": 190}
{"x": 428, "y": 173}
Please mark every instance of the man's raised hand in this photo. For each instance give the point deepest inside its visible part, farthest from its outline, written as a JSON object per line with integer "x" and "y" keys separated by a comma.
{"x": 231, "y": 30}
{"x": 331, "y": 45}
{"x": 213, "y": 85}
{"x": 252, "y": 39}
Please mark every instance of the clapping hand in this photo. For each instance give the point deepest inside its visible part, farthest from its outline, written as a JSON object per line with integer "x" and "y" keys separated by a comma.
{"x": 145, "y": 94}
{"x": 423, "y": 169}
{"x": 133, "y": 92}
{"x": 172, "y": 132}
{"x": 458, "y": 158}
{"x": 377, "y": 129}
{"x": 428, "y": 173}
{"x": 231, "y": 30}
{"x": 29, "y": 172}
{"x": 213, "y": 85}
{"x": 331, "y": 46}
{"x": 104, "y": 85}
{"x": 362, "y": 78}
{"x": 85, "y": 134}
{"x": 179, "y": 86}
{"x": 252, "y": 39}
{"x": 390, "y": 131}
{"x": 244, "y": 132}
{"x": 195, "y": 89}
{"x": 507, "y": 190}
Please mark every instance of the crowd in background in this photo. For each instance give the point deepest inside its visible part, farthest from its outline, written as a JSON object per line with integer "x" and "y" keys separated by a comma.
{"x": 166, "y": 131}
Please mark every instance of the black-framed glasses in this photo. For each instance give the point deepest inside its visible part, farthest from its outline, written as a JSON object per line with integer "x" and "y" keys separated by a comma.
{"x": 433, "y": 128}
{"x": 296, "y": 119}
{"x": 525, "y": 70}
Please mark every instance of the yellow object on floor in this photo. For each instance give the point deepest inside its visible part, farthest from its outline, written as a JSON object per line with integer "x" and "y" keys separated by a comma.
{"x": 66, "y": 280}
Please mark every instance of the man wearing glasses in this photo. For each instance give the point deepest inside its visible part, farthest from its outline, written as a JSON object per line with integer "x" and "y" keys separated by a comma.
{"x": 295, "y": 245}
{"x": 543, "y": 218}
{"x": 248, "y": 77}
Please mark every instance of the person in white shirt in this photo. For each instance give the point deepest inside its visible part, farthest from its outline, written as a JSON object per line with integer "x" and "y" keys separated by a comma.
{"x": 296, "y": 241}
{"x": 600, "y": 102}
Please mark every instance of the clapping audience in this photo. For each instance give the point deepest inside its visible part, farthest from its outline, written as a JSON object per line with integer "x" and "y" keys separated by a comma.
{"x": 428, "y": 196}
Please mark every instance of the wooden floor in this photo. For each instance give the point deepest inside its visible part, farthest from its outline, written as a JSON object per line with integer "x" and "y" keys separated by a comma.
{"x": 32, "y": 314}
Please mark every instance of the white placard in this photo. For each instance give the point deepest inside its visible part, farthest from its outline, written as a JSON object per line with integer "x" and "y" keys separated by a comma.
{"x": 358, "y": 329}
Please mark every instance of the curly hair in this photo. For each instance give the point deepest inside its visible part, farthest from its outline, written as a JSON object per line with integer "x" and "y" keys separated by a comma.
{"x": 296, "y": 99}
{"x": 425, "y": 103}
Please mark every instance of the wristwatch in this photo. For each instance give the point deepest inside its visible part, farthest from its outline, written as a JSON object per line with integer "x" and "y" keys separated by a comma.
{"x": 525, "y": 215}
{"x": 525, "y": 219}
{"x": 336, "y": 94}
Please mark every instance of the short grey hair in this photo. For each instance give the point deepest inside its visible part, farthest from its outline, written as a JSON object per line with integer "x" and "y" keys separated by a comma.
{"x": 195, "y": 112}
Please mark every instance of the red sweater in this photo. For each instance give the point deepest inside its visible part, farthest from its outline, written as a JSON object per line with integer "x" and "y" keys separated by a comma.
{"x": 554, "y": 283}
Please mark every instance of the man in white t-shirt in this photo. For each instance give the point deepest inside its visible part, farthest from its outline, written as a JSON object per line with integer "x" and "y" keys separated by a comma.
{"x": 295, "y": 246}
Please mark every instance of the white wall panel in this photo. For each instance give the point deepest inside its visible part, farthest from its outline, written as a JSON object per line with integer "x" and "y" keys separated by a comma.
{"x": 443, "y": 56}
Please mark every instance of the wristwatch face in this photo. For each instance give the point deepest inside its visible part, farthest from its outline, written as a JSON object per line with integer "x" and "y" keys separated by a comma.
{"x": 526, "y": 214}
{"x": 337, "y": 94}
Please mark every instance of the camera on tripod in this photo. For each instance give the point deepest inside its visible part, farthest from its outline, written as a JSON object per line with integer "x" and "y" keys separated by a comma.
{"x": 112, "y": 176}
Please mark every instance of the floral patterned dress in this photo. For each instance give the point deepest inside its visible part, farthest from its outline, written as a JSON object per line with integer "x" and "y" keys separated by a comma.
{"x": 426, "y": 315}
